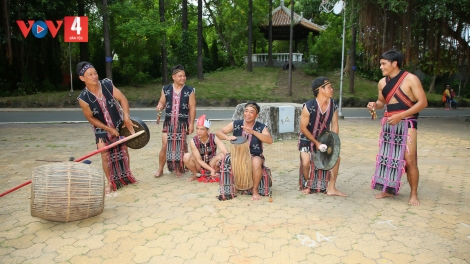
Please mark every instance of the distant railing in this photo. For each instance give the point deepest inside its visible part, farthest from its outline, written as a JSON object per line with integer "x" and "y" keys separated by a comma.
{"x": 263, "y": 57}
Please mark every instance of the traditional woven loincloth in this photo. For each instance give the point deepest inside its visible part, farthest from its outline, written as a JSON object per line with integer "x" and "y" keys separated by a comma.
{"x": 118, "y": 167}
{"x": 317, "y": 179}
{"x": 176, "y": 147}
{"x": 227, "y": 185}
{"x": 390, "y": 161}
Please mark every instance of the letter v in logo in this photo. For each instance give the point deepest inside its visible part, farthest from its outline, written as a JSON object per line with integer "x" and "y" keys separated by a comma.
{"x": 25, "y": 30}
{"x": 52, "y": 28}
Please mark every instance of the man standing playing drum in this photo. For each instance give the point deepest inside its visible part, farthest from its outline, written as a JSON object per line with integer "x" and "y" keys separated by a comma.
{"x": 98, "y": 101}
{"x": 402, "y": 95}
{"x": 318, "y": 115}
{"x": 204, "y": 150}
{"x": 257, "y": 134}
{"x": 179, "y": 102}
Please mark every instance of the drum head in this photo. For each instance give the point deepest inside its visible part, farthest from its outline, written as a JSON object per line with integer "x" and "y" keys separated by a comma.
{"x": 327, "y": 160}
{"x": 140, "y": 141}
{"x": 239, "y": 140}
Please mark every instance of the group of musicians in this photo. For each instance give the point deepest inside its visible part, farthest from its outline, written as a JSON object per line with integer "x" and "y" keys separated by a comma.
{"x": 399, "y": 92}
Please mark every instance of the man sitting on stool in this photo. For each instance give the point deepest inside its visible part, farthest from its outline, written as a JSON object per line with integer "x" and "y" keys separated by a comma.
{"x": 257, "y": 134}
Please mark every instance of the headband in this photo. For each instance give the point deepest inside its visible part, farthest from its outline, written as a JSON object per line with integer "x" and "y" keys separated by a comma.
{"x": 84, "y": 68}
{"x": 254, "y": 105}
{"x": 175, "y": 71}
{"x": 323, "y": 85}
{"x": 202, "y": 121}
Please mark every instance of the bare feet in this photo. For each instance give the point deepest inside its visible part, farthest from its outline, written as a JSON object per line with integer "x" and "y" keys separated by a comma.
{"x": 178, "y": 174}
{"x": 306, "y": 191}
{"x": 256, "y": 196}
{"x": 108, "y": 189}
{"x": 335, "y": 192}
{"x": 413, "y": 200}
{"x": 383, "y": 195}
{"x": 158, "y": 174}
{"x": 194, "y": 177}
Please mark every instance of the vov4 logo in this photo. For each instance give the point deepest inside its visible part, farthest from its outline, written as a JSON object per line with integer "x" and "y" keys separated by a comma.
{"x": 75, "y": 28}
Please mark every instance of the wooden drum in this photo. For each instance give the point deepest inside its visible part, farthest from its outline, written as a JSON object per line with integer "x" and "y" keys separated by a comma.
{"x": 67, "y": 191}
{"x": 241, "y": 163}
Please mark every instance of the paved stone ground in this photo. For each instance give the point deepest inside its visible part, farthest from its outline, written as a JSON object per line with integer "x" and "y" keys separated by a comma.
{"x": 169, "y": 220}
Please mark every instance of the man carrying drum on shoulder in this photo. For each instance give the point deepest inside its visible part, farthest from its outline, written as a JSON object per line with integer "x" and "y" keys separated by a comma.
{"x": 318, "y": 115}
{"x": 256, "y": 134}
{"x": 204, "y": 155}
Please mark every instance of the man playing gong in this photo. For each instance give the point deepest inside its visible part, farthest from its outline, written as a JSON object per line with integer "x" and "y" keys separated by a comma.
{"x": 402, "y": 95}
{"x": 179, "y": 102}
{"x": 100, "y": 102}
{"x": 204, "y": 156}
{"x": 257, "y": 134}
{"x": 318, "y": 115}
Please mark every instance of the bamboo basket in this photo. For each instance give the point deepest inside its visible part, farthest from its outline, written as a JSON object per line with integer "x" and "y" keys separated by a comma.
{"x": 67, "y": 191}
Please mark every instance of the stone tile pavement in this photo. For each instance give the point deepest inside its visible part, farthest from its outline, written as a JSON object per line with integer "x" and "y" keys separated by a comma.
{"x": 170, "y": 220}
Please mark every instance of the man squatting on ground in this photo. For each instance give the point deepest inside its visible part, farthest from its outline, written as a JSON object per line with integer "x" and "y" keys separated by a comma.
{"x": 100, "y": 102}
{"x": 402, "y": 95}
{"x": 204, "y": 151}
{"x": 317, "y": 115}
{"x": 179, "y": 102}
{"x": 257, "y": 134}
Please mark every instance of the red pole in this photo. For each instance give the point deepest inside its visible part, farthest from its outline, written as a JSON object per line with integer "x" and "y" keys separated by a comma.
{"x": 82, "y": 158}
{"x": 16, "y": 188}
{"x": 110, "y": 145}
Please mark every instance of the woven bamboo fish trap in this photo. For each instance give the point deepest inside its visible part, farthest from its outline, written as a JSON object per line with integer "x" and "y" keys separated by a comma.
{"x": 67, "y": 191}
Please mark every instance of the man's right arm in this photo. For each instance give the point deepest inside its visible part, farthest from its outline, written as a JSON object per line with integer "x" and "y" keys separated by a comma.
{"x": 94, "y": 121}
{"x": 304, "y": 119}
{"x": 380, "y": 103}
{"x": 162, "y": 102}
{"x": 222, "y": 133}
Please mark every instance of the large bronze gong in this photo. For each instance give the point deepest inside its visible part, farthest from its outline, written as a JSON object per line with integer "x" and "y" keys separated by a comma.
{"x": 140, "y": 141}
{"x": 327, "y": 160}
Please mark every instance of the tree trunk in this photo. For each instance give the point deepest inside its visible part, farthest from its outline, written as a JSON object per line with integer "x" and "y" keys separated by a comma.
{"x": 270, "y": 44}
{"x": 184, "y": 14}
{"x": 164, "y": 53}
{"x": 6, "y": 14}
{"x": 433, "y": 83}
{"x": 291, "y": 36}
{"x": 200, "y": 75}
{"x": 384, "y": 31}
{"x": 226, "y": 43}
{"x": 352, "y": 58}
{"x": 83, "y": 45}
{"x": 107, "y": 44}
{"x": 250, "y": 46}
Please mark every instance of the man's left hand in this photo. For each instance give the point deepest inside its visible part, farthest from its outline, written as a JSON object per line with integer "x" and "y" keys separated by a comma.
{"x": 248, "y": 130}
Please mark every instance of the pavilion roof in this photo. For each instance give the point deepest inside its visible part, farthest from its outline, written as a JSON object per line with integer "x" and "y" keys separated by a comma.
{"x": 281, "y": 17}
{"x": 281, "y": 25}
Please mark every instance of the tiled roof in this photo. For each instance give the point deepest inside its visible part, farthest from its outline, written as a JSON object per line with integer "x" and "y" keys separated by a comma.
{"x": 281, "y": 17}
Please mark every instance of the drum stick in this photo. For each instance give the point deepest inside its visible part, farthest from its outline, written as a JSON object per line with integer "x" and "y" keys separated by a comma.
{"x": 110, "y": 145}
{"x": 82, "y": 158}
{"x": 159, "y": 115}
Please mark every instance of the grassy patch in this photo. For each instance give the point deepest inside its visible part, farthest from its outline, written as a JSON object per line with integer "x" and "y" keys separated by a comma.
{"x": 263, "y": 85}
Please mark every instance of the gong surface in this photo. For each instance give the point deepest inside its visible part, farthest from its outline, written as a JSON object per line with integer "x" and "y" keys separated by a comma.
{"x": 327, "y": 160}
{"x": 140, "y": 141}
{"x": 239, "y": 140}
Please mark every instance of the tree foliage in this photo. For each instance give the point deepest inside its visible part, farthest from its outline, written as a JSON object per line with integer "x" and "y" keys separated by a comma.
{"x": 433, "y": 35}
